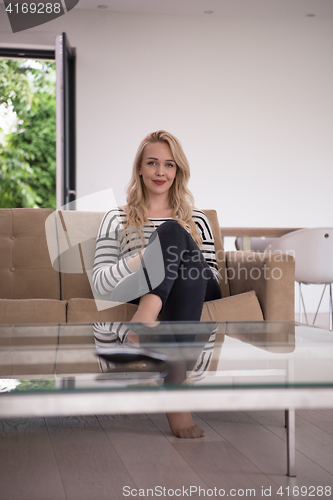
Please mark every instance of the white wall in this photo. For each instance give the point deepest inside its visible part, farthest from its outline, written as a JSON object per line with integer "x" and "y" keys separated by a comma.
{"x": 250, "y": 99}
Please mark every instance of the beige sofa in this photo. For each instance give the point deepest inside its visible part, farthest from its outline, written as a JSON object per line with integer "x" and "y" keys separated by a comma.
{"x": 47, "y": 279}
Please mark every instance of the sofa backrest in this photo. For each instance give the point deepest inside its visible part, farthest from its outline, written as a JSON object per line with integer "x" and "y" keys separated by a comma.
{"x": 219, "y": 251}
{"x": 25, "y": 268}
{"x": 76, "y": 240}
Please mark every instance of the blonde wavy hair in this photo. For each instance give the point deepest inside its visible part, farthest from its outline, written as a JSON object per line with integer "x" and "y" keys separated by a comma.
{"x": 180, "y": 197}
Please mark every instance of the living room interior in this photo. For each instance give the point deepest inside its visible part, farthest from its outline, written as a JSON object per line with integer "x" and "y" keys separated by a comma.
{"x": 247, "y": 87}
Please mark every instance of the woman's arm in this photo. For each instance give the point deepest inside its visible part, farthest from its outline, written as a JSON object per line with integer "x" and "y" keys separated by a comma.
{"x": 207, "y": 247}
{"x": 109, "y": 268}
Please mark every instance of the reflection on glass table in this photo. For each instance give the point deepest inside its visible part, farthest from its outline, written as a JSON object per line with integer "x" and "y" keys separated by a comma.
{"x": 207, "y": 366}
{"x": 265, "y": 354}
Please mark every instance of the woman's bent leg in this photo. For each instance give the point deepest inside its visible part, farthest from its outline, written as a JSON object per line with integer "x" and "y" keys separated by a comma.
{"x": 188, "y": 280}
{"x": 187, "y": 284}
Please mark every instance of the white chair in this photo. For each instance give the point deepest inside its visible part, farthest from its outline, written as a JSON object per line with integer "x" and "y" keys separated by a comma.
{"x": 313, "y": 252}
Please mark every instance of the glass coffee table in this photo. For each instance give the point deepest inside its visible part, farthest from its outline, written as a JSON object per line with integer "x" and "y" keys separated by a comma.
{"x": 82, "y": 369}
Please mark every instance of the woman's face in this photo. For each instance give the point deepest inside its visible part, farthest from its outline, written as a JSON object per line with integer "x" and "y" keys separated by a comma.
{"x": 158, "y": 168}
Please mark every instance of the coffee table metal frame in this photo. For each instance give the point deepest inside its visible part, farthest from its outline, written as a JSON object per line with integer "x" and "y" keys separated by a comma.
{"x": 151, "y": 400}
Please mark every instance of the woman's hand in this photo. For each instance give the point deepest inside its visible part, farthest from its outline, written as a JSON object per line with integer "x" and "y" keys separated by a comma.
{"x": 135, "y": 263}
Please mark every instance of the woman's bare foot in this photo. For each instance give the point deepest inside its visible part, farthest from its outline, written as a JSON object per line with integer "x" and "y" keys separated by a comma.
{"x": 147, "y": 312}
{"x": 132, "y": 338}
{"x": 182, "y": 425}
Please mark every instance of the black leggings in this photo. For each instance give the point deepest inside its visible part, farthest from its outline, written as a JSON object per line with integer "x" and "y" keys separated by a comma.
{"x": 188, "y": 280}
{"x": 185, "y": 283}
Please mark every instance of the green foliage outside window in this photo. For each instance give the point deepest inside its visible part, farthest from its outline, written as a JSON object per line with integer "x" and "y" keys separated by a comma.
{"x": 28, "y": 154}
{"x": 36, "y": 385}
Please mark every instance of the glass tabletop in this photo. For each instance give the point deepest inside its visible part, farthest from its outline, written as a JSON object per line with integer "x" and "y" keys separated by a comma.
{"x": 186, "y": 355}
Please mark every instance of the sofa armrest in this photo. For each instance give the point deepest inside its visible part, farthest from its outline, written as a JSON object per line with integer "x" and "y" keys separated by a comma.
{"x": 270, "y": 275}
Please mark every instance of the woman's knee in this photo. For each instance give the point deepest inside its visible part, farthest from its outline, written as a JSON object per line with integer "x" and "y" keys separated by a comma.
{"x": 170, "y": 226}
{"x": 168, "y": 234}
{"x": 171, "y": 234}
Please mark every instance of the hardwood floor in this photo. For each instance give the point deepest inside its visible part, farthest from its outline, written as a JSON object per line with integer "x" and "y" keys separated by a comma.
{"x": 88, "y": 458}
{"x": 322, "y": 320}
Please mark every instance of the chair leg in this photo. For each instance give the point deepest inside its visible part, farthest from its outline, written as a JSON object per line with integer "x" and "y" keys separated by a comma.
{"x": 331, "y": 308}
{"x": 301, "y": 294}
{"x": 300, "y": 303}
{"x": 321, "y": 298}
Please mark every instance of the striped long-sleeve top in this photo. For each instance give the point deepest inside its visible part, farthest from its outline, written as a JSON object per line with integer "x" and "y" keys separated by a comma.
{"x": 113, "y": 250}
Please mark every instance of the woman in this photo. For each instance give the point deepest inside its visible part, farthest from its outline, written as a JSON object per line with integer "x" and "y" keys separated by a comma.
{"x": 159, "y": 215}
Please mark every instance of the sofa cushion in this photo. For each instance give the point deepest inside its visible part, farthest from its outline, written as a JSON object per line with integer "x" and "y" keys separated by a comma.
{"x": 242, "y": 307}
{"x": 32, "y": 311}
{"x": 30, "y": 334}
{"x": 85, "y": 311}
{"x": 270, "y": 275}
{"x": 25, "y": 267}
{"x": 16, "y": 363}
{"x": 47, "y": 350}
